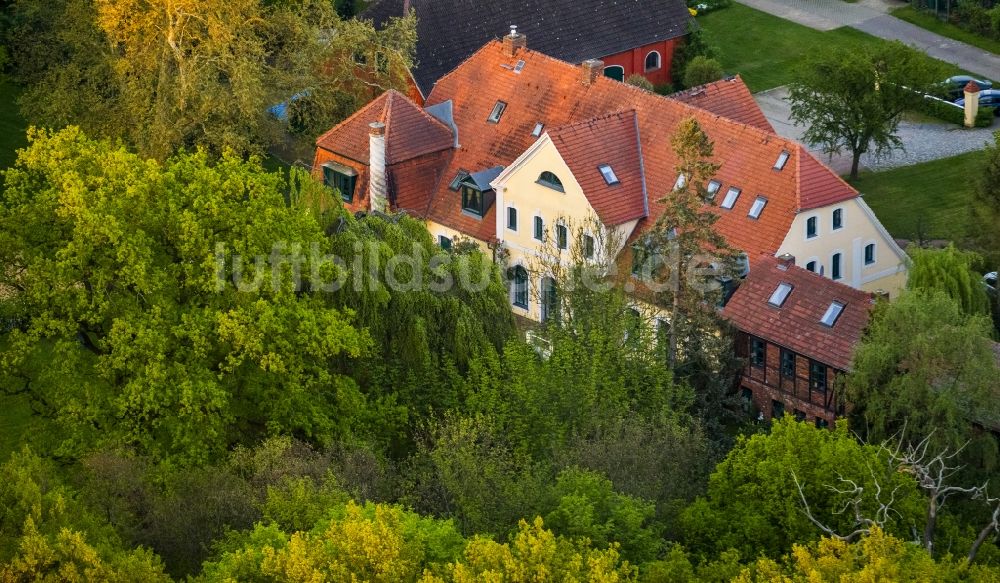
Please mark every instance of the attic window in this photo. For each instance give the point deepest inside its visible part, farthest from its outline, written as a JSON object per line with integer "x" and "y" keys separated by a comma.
{"x": 462, "y": 175}
{"x": 550, "y": 180}
{"x": 713, "y": 188}
{"x": 731, "y": 196}
{"x": 782, "y": 160}
{"x": 498, "y": 110}
{"x": 780, "y": 294}
{"x": 538, "y": 129}
{"x": 680, "y": 182}
{"x": 519, "y": 67}
{"x": 757, "y": 208}
{"x": 832, "y": 313}
{"x": 609, "y": 175}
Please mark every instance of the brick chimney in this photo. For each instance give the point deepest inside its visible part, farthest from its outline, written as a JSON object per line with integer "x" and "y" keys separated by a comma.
{"x": 971, "y": 103}
{"x": 592, "y": 69}
{"x": 514, "y": 41}
{"x": 377, "y": 179}
{"x": 786, "y": 260}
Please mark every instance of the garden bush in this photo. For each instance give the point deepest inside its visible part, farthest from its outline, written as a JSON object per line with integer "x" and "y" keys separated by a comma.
{"x": 950, "y": 113}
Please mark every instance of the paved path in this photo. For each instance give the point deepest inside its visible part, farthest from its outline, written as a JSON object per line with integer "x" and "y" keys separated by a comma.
{"x": 871, "y": 16}
{"x": 922, "y": 141}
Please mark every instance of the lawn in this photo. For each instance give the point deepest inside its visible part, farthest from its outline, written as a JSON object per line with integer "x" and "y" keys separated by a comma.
{"x": 765, "y": 49}
{"x": 12, "y": 125}
{"x": 931, "y": 199}
{"x": 930, "y": 22}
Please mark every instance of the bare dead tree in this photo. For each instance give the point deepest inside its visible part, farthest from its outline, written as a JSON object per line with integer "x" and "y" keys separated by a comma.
{"x": 855, "y": 494}
{"x": 932, "y": 473}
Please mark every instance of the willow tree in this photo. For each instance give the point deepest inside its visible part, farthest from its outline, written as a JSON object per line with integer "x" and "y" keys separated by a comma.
{"x": 949, "y": 270}
{"x": 168, "y": 74}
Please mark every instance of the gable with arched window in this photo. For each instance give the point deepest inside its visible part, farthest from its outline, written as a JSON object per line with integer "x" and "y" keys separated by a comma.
{"x": 550, "y": 180}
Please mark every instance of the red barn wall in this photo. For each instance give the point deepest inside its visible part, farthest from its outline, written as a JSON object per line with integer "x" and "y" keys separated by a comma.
{"x": 634, "y": 61}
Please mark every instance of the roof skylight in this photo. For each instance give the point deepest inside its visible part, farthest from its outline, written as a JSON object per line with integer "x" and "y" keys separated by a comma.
{"x": 681, "y": 181}
{"x": 731, "y": 196}
{"x": 498, "y": 110}
{"x": 757, "y": 208}
{"x": 538, "y": 129}
{"x": 780, "y": 294}
{"x": 519, "y": 67}
{"x": 713, "y": 188}
{"x": 782, "y": 160}
{"x": 832, "y": 313}
{"x": 462, "y": 175}
{"x": 609, "y": 175}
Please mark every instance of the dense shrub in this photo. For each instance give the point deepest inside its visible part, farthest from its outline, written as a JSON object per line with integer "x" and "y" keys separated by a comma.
{"x": 950, "y": 113}
{"x": 702, "y": 70}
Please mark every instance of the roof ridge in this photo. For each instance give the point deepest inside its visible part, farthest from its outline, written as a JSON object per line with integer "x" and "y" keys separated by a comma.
{"x": 589, "y": 121}
{"x": 357, "y": 113}
{"x": 820, "y": 278}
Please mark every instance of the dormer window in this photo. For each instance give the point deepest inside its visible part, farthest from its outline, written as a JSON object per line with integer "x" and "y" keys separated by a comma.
{"x": 731, "y": 196}
{"x": 832, "y": 313}
{"x": 550, "y": 180}
{"x": 497, "y": 112}
{"x": 341, "y": 178}
{"x": 713, "y": 188}
{"x": 538, "y": 129}
{"x": 472, "y": 200}
{"x": 780, "y": 294}
{"x": 757, "y": 208}
{"x": 609, "y": 174}
{"x": 782, "y": 160}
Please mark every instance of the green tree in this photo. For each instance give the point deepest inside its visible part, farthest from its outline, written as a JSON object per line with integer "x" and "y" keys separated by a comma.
{"x": 694, "y": 46}
{"x": 926, "y": 366}
{"x": 949, "y": 270}
{"x": 754, "y": 504}
{"x": 168, "y": 74}
{"x": 986, "y": 219}
{"x": 47, "y": 535}
{"x": 120, "y": 269}
{"x": 702, "y": 70}
{"x": 853, "y": 99}
{"x": 586, "y": 506}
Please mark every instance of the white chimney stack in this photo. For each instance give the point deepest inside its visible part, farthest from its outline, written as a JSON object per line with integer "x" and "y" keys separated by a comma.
{"x": 377, "y": 179}
{"x": 971, "y": 103}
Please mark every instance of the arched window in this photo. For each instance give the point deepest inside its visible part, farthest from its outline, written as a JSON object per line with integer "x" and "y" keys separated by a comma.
{"x": 616, "y": 72}
{"x": 652, "y": 61}
{"x": 520, "y": 277}
{"x": 551, "y": 180}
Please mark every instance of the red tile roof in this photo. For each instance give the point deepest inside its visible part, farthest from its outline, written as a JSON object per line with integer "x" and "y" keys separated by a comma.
{"x": 796, "y": 324}
{"x": 729, "y": 98}
{"x": 611, "y": 139}
{"x": 818, "y": 185}
{"x": 410, "y": 131}
{"x": 552, "y": 92}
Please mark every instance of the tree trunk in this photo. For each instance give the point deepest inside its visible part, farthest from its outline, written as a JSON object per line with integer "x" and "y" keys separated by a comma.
{"x": 675, "y": 314}
{"x": 930, "y": 525}
{"x": 991, "y": 527}
{"x": 855, "y": 162}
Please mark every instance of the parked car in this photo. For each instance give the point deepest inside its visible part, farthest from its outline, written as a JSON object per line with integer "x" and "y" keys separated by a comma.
{"x": 953, "y": 86}
{"x": 987, "y": 98}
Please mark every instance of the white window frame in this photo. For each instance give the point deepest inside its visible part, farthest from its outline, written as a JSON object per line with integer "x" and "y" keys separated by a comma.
{"x": 534, "y": 218}
{"x": 760, "y": 200}
{"x": 874, "y": 245}
{"x": 818, "y": 264}
{"x": 736, "y": 198}
{"x": 843, "y": 264}
{"x": 517, "y": 218}
{"x": 805, "y": 232}
{"x": 659, "y": 61}
{"x": 842, "y": 222}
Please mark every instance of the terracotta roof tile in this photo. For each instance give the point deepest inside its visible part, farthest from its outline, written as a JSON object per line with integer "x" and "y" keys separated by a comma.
{"x": 613, "y": 140}
{"x": 448, "y": 31}
{"x": 796, "y": 324}
{"x": 818, "y": 184}
{"x": 410, "y": 131}
{"x": 729, "y": 98}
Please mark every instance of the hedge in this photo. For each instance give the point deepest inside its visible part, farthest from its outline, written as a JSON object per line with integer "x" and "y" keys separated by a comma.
{"x": 953, "y": 114}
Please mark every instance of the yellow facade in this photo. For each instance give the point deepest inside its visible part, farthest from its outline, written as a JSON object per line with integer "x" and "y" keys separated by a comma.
{"x": 883, "y": 269}
{"x": 521, "y": 188}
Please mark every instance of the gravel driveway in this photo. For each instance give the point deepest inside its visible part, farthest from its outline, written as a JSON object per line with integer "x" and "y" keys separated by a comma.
{"x": 922, "y": 142}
